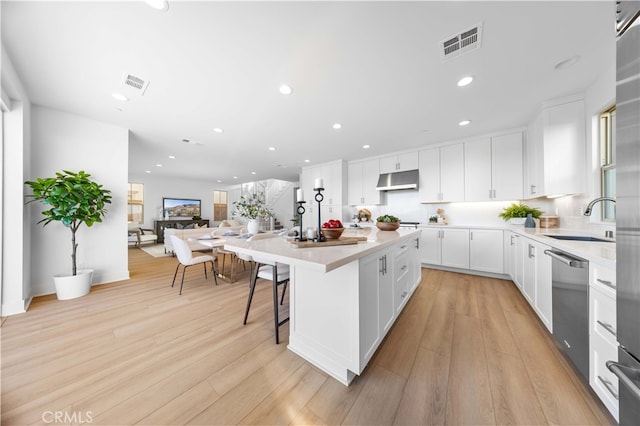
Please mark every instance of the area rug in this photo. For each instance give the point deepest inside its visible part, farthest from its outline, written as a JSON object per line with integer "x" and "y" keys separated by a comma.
{"x": 156, "y": 250}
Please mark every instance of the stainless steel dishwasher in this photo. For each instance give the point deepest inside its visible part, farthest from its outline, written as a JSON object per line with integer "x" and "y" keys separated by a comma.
{"x": 570, "y": 301}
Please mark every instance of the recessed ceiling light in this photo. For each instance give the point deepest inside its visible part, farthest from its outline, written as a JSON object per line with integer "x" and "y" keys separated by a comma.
{"x": 366, "y": 146}
{"x": 218, "y": 130}
{"x": 147, "y": 171}
{"x": 285, "y": 89}
{"x": 235, "y": 177}
{"x": 162, "y": 5}
{"x": 464, "y": 122}
{"x": 567, "y": 63}
{"x": 337, "y": 126}
{"x": 307, "y": 161}
{"x": 219, "y": 181}
{"x": 253, "y": 173}
{"x": 271, "y": 148}
{"x": 120, "y": 97}
{"x": 465, "y": 81}
{"x": 173, "y": 157}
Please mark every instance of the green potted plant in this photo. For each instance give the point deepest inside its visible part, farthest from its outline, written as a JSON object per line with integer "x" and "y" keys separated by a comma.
{"x": 517, "y": 213}
{"x": 73, "y": 199}
{"x": 252, "y": 207}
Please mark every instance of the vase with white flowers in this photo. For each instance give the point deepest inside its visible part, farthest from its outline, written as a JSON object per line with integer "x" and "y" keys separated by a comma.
{"x": 252, "y": 207}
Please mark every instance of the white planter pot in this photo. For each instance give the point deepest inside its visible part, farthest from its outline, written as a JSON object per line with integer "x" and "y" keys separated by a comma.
{"x": 517, "y": 220}
{"x": 253, "y": 226}
{"x": 72, "y": 286}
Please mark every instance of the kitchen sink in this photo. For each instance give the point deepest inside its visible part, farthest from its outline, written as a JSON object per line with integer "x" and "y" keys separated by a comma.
{"x": 580, "y": 238}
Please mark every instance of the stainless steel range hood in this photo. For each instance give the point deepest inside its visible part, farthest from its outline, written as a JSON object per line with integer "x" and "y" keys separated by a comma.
{"x": 398, "y": 180}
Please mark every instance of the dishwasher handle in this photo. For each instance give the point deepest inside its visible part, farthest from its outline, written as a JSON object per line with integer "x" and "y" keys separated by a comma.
{"x": 626, "y": 376}
{"x": 566, "y": 259}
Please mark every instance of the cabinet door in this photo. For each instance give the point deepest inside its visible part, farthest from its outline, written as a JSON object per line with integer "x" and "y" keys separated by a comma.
{"x": 389, "y": 164}
{"x": 429, "y": 175}
{"x": 529, "y": 284}
{"x": 430, "y": 252}
{"x": 451, "y": 172}
{"x": 506, "y": 167}
{"x": 534, "y": 160}
{"x": 354, "y": 184}
{"x": 414, "y": 264}
{"x": 401, "y": 276}
{"x": 477, "y": 170}
{"x": 370, "y": 175}
{"x": 518, "y": 254}
{"x": 407, "y": 161}
{"x": 486, "y": 250}
{"x": 385, "y": 286}
{"x": 370, "y": 336}
{"x": 455, "y": 248}
{"x": 543, "y": 305}
{"x": 564, "y": 148}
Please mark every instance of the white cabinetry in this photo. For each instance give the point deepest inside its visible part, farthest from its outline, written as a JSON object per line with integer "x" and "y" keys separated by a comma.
{"x": 563, "y": 133}
{"x": 445, "y": 247}
{"x": 334, "y": 175}
{"x": 493, "y": 168}
{"x": 603, "y": 345}
{"x": 399, "y": 162}
{"x": 486, "y": 250}
{"x": 363, "y": 177}
{"x": 534, "y": 160}
{"x": 401, "y": 276}
{"x": 442, "y": 174}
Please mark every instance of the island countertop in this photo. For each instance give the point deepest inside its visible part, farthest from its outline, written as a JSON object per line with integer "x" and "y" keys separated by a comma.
{"x": 322, "y": 259}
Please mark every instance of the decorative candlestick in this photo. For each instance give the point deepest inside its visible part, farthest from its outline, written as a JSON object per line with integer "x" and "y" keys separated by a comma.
{"x": 301, "y": 211}
{"x": 319, "y": 197}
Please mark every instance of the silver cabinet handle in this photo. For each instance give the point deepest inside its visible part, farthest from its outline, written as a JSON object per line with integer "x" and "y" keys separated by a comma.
{"x": 607, "y": 283}
{"x": 403, "y": 267}
{"x": 624, "y": 375}
{"x": 418, "y": 243}
{"x": 608, "y": 327}
{"x": 533, "y": 189}
{"x": 569, "y": 261}
{"x": 531, "y": 254}
{"x": 403, "y": 247}
{"x": 607, "y": 384}
{"x": 403, "y": 295}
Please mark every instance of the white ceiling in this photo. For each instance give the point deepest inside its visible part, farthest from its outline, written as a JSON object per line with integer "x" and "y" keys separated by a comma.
{"x": 374, "y": 67}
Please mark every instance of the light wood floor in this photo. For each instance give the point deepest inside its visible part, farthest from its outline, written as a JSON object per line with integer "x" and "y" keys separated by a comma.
{"x": 466, "y": 350}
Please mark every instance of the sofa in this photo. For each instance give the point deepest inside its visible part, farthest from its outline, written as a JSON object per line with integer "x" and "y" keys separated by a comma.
{"x": 185, "y": 234}
{"x": 137, "y": 235}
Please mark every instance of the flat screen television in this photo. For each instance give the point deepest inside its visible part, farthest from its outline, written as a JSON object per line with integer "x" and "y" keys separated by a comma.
{"x": 181, "y": 207}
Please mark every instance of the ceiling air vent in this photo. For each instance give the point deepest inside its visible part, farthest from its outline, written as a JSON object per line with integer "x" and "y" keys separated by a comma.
{"x": 135, "y": 84}
{"x": 460, "y": 43}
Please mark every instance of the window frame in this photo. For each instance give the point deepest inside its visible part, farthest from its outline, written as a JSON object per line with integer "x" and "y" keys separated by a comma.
{"x": 606, "y": 141}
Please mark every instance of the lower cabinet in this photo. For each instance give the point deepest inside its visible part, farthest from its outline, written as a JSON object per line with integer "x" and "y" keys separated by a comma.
{"x": 387, "y": 280}
{"x": 603, "y": 345}
{"x": 486, "y": 250}
{"x": 445, "y": 247}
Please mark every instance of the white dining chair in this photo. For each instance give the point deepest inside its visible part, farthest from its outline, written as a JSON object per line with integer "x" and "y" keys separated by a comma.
{"x": 277, "y": 273}
{"x": 185, "y": 258}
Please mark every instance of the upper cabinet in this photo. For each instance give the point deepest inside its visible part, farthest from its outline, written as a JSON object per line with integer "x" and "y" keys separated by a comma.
{"x": 399, "y": 162}
{"x": 493, "y": 168}
{"x": 333, "y": 175}
{"x": 442, "y": 174}
{"x": 362, "y": 180}
{"x": 563, "y": 134}
{"x": 555, "y": 152}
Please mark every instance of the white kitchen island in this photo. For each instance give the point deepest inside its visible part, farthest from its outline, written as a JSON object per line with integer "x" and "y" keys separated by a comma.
{"x": 344, "y": 299}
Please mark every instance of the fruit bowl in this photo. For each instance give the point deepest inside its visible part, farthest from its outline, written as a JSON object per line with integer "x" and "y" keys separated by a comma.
{"x": 388, "y": 226}
{"x": 332, "y": 233}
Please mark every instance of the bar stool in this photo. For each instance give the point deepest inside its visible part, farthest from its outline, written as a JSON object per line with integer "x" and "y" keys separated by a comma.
{"x": 278, "y": 274}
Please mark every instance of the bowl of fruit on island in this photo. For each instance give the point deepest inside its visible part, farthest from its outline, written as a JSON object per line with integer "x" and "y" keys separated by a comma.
{"x": 332, "y": 229}
{"x": 387, "y": 223}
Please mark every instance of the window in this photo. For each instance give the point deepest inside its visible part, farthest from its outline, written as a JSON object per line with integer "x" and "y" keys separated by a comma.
{"x": 219, "y": 205}
{"x": 608, "y": 162}
{"x": 135, "y": 202}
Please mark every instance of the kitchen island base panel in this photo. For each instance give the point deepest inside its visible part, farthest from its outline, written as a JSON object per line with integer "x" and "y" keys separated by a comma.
{"x": 324, "y": 319}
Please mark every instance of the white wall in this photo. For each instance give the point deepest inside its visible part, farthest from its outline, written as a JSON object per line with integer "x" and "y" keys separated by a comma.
{"x": 62, "y": 141}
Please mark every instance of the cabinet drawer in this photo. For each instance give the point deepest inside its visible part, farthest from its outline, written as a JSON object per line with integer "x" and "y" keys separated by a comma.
{"x": 603, "y": 381}
{"x": 401, "y": 266}
{"x": 603, "y": 315}
{"x": 604, "y": 279}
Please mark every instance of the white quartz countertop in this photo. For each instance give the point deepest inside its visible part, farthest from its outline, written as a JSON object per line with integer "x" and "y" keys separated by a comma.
{"x": 603, "y": 253}
{"x": 323, "y": 259}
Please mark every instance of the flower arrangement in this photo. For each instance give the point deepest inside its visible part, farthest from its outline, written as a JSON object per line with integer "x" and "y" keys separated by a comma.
{"x": 252, "y": 206}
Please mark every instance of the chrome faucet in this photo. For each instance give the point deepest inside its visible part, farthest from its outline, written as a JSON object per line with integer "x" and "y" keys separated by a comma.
{"x": 587, "y": 211}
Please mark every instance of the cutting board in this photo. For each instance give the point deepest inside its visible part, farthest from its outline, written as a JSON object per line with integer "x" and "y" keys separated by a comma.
{"x": 339, "y": 242}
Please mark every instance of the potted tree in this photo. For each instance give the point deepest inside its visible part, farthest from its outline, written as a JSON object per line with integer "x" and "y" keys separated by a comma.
{"x": 73, "y": 199}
